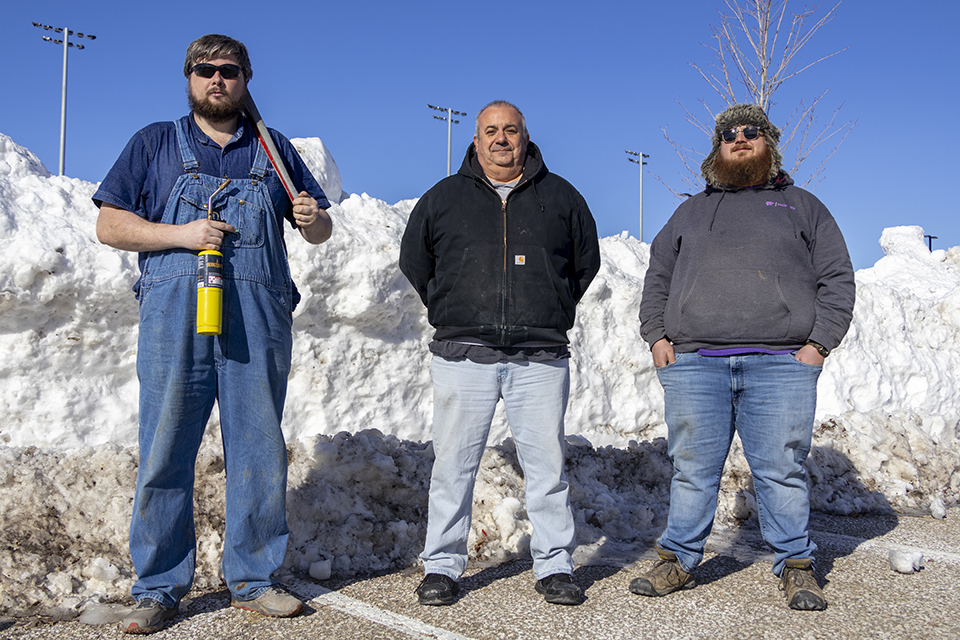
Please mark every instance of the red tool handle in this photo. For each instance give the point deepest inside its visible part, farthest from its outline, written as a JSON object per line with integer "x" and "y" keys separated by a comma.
{"x": 272, "y": 153}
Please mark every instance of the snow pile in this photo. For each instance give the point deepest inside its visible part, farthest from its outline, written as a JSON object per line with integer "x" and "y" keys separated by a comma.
{"x": 324, "y": 169}
{"x": 359, "y": 402}
{"x": 64, "y": 310}
{"x": 355, "y": 503}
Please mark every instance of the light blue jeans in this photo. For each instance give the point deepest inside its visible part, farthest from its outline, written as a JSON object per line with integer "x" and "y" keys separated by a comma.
{"x": 770, "y": 401}
{"x": 465, "y": 395}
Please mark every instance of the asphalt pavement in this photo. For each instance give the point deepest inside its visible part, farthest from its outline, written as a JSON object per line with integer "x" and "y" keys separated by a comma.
{"x": 736, "y": 597}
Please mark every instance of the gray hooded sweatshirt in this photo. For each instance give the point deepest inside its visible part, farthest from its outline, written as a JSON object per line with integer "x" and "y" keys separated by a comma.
{"x": 763, "y": 267}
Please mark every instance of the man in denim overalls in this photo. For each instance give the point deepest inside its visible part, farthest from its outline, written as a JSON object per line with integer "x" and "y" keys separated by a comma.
{"x": 154, "y": 201}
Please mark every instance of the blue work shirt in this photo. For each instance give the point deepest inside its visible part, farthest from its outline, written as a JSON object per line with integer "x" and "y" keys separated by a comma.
{"x": 142, "y": 178}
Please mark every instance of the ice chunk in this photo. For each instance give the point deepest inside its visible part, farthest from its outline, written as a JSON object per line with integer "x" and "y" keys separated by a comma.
{"x": 906, "y": 561}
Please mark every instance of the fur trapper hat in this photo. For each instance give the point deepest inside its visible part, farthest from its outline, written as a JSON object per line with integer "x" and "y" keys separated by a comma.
{"x": 736, "y": 116}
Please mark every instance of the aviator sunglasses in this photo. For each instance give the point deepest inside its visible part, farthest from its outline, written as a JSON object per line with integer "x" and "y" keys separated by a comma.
{"x": 227, "y": 71}
{"x": 750, "y": 133}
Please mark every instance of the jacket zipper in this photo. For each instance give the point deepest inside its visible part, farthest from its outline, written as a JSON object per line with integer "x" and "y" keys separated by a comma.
{"x": 502, "y": 329}
{"x": 503, "y": 284}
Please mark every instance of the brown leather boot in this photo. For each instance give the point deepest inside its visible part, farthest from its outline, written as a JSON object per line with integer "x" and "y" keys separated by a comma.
{"x": 800, "y": 586}
{"x": 665, "y": 577}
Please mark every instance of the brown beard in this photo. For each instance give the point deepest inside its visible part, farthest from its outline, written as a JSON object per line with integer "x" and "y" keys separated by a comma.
{"x": 213, "y": 111}
{"x": 744, "y": 173}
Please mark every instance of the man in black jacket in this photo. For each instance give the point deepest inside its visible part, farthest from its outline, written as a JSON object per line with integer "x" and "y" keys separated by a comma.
{"x": 500, "y": 254}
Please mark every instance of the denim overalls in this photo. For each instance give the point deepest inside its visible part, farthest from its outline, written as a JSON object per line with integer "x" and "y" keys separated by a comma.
{"x": 181, "y": 373}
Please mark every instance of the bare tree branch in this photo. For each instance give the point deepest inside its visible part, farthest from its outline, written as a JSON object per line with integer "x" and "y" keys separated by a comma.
{"x": 755, "y": 53}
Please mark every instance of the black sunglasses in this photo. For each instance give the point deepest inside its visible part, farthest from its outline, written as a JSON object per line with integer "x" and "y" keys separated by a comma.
{"x": 750, "y": 133}
{"x": 206, "y": 70}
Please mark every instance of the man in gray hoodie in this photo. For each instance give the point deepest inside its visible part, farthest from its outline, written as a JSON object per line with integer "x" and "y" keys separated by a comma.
{"x": 749, "y": 288}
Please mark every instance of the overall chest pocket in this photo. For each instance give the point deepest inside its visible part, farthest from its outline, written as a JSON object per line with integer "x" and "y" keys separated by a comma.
{"x": 246, "y": 215}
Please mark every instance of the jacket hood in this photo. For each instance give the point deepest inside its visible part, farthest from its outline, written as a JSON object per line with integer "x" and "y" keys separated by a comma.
{"x": 781, "y": 180}
{"x": 735, "y": 116}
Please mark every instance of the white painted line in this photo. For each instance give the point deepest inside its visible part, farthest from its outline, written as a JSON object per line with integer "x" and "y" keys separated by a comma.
{"x": 749, "y": 544}
{"x": 861, "y": 543}
{"x": 322, "y": 597}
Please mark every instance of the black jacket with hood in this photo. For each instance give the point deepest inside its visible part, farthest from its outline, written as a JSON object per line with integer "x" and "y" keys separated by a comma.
{"x": 504, "y": 272}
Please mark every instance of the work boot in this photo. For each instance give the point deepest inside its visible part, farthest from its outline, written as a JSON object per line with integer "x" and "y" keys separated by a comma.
{"x": 800, "y": 586}
{"x": 437, "y": 589}
{"x": 665, "y": 577}
{"x": 148, "y": 616}
{"x": 559, "y": 588}
{"x": 274, "y": 602}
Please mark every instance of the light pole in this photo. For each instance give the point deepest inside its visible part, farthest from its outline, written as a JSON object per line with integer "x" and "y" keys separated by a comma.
{"x": 640, "y": 162}
{"x": 450, "y": 123}
{"x": 63, "y": 98}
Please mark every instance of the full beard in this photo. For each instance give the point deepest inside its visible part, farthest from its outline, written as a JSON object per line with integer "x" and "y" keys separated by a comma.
{"x": 748, "y": 172}
{"x": 219, "y": 111}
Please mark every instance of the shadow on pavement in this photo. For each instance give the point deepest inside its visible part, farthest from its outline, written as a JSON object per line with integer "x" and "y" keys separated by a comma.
{"x": 619, "y": 496}
{"x": 488, "y": 575}
{"x": 838, "y": 498}
{"x": 586, "y": 577}
{"x": 634, "y": 483}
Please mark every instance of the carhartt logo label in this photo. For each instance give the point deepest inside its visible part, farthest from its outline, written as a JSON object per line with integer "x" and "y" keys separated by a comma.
{"x": 519, "y": 259}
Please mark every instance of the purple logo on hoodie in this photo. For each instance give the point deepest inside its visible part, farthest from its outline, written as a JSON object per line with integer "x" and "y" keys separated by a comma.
{"x": 770, "y": 203}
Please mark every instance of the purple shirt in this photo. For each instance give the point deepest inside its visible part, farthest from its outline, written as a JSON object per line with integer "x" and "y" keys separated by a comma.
{"x": 742, "y": 351}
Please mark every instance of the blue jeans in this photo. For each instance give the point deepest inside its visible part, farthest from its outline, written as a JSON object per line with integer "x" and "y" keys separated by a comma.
{"x": 770, "y": 401}
{"x": 244, "y": 370}
{"x": 465, "y": 395}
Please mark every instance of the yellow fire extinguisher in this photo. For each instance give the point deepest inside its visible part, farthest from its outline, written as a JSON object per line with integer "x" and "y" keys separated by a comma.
{"x": 210, "y": 282}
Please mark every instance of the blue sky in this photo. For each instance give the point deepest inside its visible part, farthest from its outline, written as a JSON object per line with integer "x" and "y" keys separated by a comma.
{"x": 593, "y": 79}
